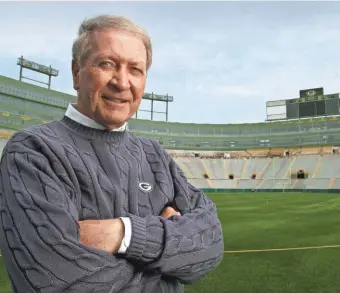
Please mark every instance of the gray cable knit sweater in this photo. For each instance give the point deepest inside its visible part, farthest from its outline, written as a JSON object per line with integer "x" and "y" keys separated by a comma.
{"x": 55, "y": 174}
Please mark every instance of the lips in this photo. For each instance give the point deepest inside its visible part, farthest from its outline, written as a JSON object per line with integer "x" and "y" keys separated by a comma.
{"x": 114, "y": 100}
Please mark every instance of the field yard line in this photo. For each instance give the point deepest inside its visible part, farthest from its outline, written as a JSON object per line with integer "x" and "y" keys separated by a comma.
{"x": 281, "y": 249}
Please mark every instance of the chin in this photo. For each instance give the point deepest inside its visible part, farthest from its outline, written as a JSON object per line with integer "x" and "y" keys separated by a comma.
{"x": 116, "y": 123}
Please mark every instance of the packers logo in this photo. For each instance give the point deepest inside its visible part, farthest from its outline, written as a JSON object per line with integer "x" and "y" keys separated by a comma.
{"x": 145, "y": 187}
{"x": 311, "y": 93}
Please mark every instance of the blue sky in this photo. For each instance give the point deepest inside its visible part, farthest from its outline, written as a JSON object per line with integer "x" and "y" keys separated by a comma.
{"x": 221, "y": 60}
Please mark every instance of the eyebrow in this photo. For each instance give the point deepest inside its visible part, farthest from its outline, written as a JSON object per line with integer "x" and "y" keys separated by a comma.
{"x": 115, "y": 58}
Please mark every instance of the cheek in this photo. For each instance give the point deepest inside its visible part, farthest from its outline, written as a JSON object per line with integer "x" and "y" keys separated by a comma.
{"x": 136, "y": 104}
{"x": 137, "y": 89}
{"x": 137, "y": 99}
{"x": 97, "y": 82}
{"x": 94, "y": 80}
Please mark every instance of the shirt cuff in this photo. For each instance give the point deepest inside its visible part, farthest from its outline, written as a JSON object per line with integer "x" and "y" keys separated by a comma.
{"x": 127, "y": 238}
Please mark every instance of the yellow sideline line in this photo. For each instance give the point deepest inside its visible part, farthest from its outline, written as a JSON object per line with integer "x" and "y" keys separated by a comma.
{"x": 277, "y": 249}
{"x": 281, "y": 249}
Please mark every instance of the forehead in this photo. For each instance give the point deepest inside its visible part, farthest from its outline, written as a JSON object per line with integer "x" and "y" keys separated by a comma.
{"x": 117, "y": 44}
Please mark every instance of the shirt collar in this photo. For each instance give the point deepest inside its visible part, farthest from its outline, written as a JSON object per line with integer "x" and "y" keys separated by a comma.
{"x": 75, "y": 115}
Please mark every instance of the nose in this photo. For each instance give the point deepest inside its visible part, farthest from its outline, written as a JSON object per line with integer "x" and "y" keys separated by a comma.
{"x": 121, "y": 79}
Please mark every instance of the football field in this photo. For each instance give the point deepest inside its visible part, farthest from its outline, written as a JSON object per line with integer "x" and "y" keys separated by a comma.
{"x": 274, "y": 243}
{"x": 277, "y": 243}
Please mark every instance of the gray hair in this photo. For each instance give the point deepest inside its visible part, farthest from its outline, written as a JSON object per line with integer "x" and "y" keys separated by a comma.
{"x": 81, "y": 46}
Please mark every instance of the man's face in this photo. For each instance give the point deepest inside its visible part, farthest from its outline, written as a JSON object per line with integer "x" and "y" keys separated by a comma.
{"x": 111, "y": 81}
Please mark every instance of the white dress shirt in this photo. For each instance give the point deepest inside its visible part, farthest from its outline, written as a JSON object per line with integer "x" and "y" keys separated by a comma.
{"x": 75, "y": 115}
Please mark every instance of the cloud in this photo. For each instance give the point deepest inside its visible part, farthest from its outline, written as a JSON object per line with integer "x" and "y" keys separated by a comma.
{"x": 234, "y": 90}
{"x": 36, "y": 39}
{"x": 220, "y": 61}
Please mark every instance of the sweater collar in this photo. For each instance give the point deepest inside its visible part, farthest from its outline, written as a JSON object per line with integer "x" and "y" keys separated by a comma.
{"x": 83, "y": 126}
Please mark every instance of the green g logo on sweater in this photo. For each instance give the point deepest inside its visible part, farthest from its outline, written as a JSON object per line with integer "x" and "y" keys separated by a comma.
{"x": 145, "y": 187}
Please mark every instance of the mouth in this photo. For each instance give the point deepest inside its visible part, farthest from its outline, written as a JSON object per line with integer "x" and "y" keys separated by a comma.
{"x": 117, "y": 101}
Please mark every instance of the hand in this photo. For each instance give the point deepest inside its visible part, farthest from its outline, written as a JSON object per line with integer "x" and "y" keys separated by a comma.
{"x": 169, "y": 212}
{"x": 102, "y": 234}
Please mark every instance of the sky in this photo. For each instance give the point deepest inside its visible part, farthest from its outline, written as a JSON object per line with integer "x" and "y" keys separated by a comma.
{"x": 221, "y": 61}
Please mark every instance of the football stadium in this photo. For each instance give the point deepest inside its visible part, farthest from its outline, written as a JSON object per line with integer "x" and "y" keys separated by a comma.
{"x": 275, "y": 184}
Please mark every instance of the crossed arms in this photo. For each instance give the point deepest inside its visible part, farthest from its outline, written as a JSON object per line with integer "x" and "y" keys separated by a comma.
{"x": 108, "y": 234}
{"x": 44, "y": 248}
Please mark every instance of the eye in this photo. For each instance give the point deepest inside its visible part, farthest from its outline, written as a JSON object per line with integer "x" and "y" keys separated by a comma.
{"x": 107, "y": 64}
{"x": 137, "y": 70}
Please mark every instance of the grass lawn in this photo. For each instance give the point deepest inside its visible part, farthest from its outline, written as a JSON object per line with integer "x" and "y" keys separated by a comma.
{"x": 258, "y": 221}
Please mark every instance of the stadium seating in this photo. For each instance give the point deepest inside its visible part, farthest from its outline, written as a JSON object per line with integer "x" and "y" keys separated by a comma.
{"x": 323, "y": 172}
{"x": 2, "y": 144}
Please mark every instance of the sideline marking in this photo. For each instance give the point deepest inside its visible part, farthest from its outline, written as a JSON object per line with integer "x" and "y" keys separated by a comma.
{"x": 277, "y": 249}
{"x": 281, "y": 249}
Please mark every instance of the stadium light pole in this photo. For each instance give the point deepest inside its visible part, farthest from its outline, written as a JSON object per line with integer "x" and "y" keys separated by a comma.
{"x": 167, "y": 107}
{"x": 30, "y": 65}
{"x": 156, "y": 98}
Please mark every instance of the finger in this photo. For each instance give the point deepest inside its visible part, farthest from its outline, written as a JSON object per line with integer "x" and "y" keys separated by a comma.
{"x": 174, "y": 214}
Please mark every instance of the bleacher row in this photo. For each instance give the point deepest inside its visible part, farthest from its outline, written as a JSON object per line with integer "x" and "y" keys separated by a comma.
{"x": 323, "y": 172}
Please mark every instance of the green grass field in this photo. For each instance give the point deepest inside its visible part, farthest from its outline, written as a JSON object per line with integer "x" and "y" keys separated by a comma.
{"x": 259, "y": 221}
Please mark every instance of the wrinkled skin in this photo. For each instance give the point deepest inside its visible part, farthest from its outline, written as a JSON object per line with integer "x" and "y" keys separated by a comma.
{"x": 111, "y": 80}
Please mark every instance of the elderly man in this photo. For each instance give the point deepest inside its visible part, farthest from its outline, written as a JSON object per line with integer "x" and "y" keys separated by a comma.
{"x": 86, "y": 206}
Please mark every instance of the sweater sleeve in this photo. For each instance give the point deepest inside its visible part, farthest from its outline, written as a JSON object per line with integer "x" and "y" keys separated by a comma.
{"x": 184, "y": 247}
{"x": 39, "y": 235}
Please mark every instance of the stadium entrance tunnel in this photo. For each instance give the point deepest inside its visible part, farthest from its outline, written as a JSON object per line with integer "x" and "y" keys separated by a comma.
{"x": 205, "y": 176}
{"x": 300, "y": 174}
{"x": 231, "y": 176}
{"x": 253, "y": 176}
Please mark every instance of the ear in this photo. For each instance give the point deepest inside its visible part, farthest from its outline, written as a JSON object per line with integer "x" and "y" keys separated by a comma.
{"x": 75, "y": 74}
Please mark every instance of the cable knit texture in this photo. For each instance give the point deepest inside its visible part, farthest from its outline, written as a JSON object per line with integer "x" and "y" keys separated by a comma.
{"x": 55, "y": 174}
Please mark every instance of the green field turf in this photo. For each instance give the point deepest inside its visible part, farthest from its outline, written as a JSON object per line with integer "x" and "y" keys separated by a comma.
{"x": 277, "y": 220}
{"x": 257, "y": 221}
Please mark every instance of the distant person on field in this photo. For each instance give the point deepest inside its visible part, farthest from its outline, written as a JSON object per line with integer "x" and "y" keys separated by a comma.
{"x": 86, "y": 206}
